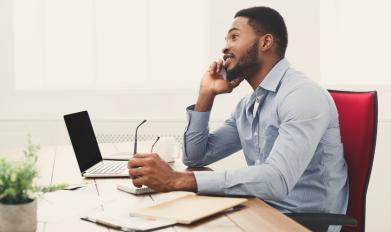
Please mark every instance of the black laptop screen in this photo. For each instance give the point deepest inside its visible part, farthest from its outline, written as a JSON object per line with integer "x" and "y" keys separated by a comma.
{"x": 83, "y": 139}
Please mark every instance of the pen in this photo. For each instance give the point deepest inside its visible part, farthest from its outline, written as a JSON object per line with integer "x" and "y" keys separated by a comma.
{"x": 107, "y": 224}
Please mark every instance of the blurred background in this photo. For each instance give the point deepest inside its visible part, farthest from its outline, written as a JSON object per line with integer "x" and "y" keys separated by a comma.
{"x": 125, "y": 61}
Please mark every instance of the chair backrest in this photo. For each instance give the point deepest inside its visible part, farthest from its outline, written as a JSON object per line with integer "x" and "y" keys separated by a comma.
{"x": 358, "y": 125}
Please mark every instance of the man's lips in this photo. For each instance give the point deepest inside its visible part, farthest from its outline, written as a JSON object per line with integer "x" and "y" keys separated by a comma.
{"x": 228, "y": 59}
{"x": 228, "y": 56}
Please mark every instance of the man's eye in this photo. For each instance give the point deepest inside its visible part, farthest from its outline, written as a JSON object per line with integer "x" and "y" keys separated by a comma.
{"x": 234, "y": 36}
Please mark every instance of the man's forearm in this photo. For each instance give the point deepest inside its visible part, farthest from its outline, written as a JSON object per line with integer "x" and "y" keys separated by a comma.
{"x": 204, "y": 102}
{"x": 184, "y": 181}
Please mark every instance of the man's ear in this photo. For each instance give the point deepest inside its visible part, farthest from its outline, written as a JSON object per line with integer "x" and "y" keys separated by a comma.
{"x": 266, "y": 42}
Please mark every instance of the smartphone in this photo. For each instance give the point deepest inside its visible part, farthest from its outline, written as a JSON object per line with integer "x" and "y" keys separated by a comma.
{"x": 130, "y": 188}
{"x": 226, "y": 75}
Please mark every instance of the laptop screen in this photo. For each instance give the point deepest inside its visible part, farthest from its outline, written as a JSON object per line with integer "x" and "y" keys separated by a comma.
{"x": 83, "y": 139}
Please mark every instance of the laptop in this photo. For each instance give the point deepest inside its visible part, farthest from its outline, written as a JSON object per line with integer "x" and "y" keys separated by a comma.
{"x": 87, "y": 151}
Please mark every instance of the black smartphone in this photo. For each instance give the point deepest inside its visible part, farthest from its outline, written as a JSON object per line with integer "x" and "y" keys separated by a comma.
{"x": 227, "y": 76}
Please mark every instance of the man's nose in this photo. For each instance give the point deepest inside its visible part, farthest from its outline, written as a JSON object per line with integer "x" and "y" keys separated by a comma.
{"x": 225, "y": 49}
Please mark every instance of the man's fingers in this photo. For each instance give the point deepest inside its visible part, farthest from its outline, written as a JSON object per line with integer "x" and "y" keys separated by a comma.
{"x": 219, "y": 65}
{"x": 212, "y": 68}
{"x": 136, "y": 162}
{"x": 136, "y": 172}
{"x": 146, "y": 155}
{"x": 138, "y": 182}
{"x": 141, "y": 159}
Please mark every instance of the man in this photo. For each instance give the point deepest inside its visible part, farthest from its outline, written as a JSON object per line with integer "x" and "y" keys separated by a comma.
{"x": 287, "y": 128}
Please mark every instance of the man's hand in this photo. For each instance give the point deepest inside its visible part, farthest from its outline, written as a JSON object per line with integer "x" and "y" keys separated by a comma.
{"x": 212, "y": 84}
{"x": 150, "y": 170}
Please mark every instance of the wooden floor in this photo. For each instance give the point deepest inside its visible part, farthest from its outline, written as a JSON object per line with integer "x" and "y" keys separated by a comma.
{"x": 61, "y": 211}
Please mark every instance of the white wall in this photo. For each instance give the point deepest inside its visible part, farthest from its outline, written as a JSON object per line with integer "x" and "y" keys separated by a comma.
{"x": 166, "y": 103}
{"x": 118, "y": 111}
{"x": 355, "y": 48}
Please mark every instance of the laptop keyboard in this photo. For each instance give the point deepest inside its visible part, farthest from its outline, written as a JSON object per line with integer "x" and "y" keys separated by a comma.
{"x": 109, "y": 167}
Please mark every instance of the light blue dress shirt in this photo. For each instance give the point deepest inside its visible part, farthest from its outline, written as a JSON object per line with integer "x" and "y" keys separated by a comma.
{"x": 289, "y": 132}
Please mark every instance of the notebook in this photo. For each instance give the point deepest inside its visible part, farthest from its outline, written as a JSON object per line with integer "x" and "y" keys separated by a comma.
{"x": 190, "y": 208}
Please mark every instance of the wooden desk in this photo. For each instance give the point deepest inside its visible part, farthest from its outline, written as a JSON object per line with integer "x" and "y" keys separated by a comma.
{"x": 58, "y": 165}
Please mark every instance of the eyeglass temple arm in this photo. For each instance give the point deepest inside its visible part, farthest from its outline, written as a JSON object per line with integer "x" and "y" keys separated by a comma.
{"x": 135, "y": 137}
{"x": 153, "y": 145}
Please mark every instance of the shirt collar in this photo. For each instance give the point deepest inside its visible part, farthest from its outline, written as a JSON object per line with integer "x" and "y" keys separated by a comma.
{"x": 270, "y": 83}
{"x": 273, "y": 78}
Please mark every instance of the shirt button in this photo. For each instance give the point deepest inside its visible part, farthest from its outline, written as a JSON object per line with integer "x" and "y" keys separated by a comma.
{"x": 257, "y": 99}
{"x": 255, "y": 133}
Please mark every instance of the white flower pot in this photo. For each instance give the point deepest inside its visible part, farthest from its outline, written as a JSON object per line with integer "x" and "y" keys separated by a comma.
{"x": 19, "y": 217}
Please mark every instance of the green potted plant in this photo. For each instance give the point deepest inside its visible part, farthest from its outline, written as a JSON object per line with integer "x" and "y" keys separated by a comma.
{"x": 18, "y": 194}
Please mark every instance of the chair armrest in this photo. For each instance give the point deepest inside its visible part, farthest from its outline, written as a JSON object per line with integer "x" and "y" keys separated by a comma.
{"x": 321, "y": 221}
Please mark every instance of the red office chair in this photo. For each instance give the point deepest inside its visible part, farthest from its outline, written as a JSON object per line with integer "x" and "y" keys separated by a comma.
{"x": 358, "y": 125}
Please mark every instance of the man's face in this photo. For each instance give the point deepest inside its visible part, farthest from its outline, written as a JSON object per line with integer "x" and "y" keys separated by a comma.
{"x": 241, "y": 51}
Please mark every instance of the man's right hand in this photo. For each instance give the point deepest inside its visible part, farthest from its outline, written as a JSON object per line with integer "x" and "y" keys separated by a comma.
{"x": 212, "y": 84}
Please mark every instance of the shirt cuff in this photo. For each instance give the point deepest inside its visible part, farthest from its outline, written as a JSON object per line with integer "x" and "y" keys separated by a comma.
{"x": 197, "y": 121}
{"x": 210, "y": 182}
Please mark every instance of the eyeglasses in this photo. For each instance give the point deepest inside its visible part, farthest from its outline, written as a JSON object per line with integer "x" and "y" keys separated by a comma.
{"x": 135, "y": 139}
{"x": 153, "y": 145}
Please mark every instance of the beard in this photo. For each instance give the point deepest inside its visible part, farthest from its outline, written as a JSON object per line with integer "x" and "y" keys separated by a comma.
{"x": 246, "y": 64}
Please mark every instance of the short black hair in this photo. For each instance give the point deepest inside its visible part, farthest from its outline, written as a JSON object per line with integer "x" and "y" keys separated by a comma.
{"x": 267, "y": 20}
